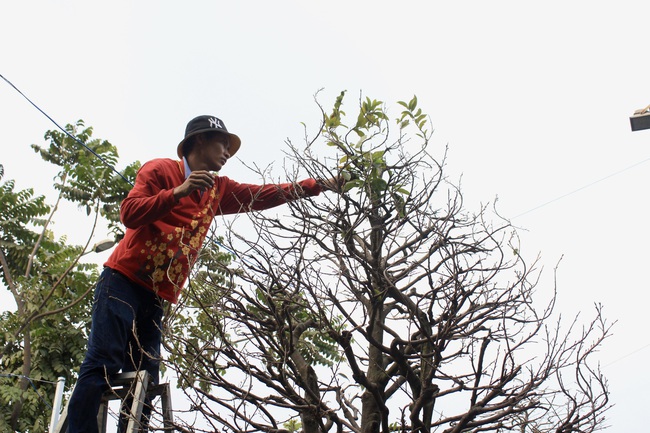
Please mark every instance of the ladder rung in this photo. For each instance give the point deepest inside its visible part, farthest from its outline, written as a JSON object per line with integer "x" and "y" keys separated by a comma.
{"x": 121, "y": 393}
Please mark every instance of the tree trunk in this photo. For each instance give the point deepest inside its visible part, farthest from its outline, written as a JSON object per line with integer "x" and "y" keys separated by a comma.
{"x": 24, "y": 382}
{"x": 373, "y": 407}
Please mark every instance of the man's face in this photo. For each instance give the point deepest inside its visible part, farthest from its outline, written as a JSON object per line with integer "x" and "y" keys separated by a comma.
{"x": 212, "y": 152}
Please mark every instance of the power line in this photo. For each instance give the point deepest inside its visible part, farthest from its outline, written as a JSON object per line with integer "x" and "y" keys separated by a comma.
{"x": 576, "y": 191}
{"x": 582, "y": 187}
{"x": 89, "y": 149}
{"x": 628, "y": 355}
{"x": 232, "y": 252}
{"x": 31, "y": 382}
{"x": 65, "y": 131}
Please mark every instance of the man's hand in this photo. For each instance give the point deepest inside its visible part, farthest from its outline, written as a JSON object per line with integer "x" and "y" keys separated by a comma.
{"x": 200, "y": 180}
{"x": 332, "y": 184}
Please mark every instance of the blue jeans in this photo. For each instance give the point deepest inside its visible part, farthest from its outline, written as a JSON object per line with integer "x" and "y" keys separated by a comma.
{"x": 125, "y": 335}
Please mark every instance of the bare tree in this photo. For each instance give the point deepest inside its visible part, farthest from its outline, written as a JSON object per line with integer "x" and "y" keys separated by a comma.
{"x": 388, "y": 307}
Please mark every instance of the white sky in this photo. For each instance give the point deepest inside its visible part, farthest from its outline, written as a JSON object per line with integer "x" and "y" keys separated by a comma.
{"x": 533, "y": 99}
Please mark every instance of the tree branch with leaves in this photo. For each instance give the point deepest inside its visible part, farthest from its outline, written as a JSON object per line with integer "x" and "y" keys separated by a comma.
{"x": 45, "y": 337}
{"x": 387, "y": 307}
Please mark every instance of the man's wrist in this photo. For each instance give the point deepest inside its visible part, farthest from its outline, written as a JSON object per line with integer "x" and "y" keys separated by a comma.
{"x": 177, "y": 194}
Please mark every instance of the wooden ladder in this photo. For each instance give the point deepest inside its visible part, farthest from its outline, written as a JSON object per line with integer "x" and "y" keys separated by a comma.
{"x": 132, "y": 385}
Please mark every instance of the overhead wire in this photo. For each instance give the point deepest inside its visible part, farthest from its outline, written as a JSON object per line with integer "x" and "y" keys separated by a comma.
{"x": 237, "y": 256}
{"x": 31, "y": 382}
{"x": 77, "y": 140}
{"x": 582, "y": 188}
{"x": 65, "y": 131}
{"x": 634, "y": 352}
{"x": 576, "y": 191}
{"x": 81, "y": 143}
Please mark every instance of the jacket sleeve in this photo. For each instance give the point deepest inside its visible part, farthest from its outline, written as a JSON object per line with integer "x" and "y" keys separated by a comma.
{"x": 151, "y": 198}
{"x": 241, "y": 197}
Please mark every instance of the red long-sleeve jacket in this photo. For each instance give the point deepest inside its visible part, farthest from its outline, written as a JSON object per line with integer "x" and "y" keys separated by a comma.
{"x": 163, "y": 236}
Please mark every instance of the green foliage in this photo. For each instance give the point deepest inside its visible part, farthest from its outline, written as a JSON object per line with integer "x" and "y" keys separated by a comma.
{"x": 315, "y": 346}
{"x": 36, "y": 406}
{"x": 16, "y": 236}
{"x": 364, "y": 163}
{"x": 45, "y": 337}
{"x": 57, "y": 341}
{"x": 413, "y": 114}
{"x": 293, "y": 425}
{"x": 84, "y": 178}
{"x": 192, "y": 328}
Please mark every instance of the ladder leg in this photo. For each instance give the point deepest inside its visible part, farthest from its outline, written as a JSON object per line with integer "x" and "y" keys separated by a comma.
{"x": 62, "y": 424}
{"x": 102, "y": 416}
{"x": 167, "y": 413}
{"x": 139, "y": 396}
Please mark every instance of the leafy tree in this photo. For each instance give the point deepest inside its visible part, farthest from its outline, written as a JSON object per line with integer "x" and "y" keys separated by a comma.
{"x": 194, "y": 318}
{"x": 45, "y": 337}
{"x": 387, "y": 308}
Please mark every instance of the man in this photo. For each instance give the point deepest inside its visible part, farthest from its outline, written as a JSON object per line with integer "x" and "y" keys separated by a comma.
{"x": 167, "y": 215}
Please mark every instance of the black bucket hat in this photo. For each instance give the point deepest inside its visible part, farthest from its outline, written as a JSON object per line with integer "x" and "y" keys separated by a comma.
{"x": 208, "y": 123}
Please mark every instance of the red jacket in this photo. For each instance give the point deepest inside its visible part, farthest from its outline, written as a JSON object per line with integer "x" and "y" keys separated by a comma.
{"x": 163, "y": 237}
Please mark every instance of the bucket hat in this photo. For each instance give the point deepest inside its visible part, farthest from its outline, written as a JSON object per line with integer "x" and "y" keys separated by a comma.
{"x": 208, "y": 123}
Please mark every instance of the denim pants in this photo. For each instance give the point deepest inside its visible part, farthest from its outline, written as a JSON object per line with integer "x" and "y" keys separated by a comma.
{"x": 125, "y": 335}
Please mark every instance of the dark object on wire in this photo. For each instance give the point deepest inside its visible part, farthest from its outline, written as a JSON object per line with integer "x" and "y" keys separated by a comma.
{"x": 641, "y": 119}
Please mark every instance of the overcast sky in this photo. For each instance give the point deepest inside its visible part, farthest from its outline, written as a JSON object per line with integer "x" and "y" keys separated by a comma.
{"x": 532, "y": 98}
